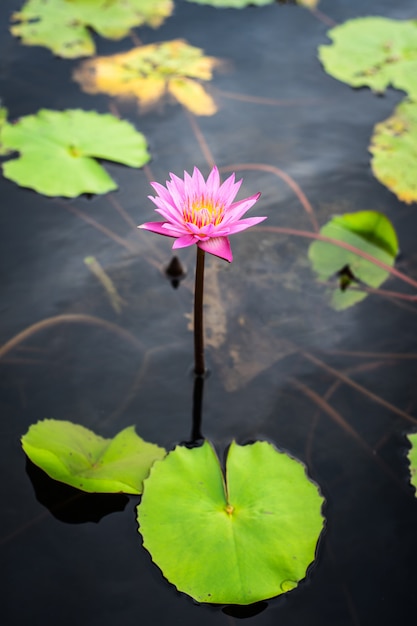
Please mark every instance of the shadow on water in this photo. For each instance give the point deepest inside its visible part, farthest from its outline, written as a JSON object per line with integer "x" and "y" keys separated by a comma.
{"x": 70, "y": 505}
{"x": 335, "y": 389}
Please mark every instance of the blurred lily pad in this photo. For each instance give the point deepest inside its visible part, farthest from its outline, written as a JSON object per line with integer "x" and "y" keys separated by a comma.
{"x": 369, "y": 231}
{"x": 394, "y": 149}
{"x": 375, "y": 52}
{"x": 63, "y": 25}
{"x": 78, "y": 457}
{"x": 412, "y": 457}
{"x": 233, "y": 540}
{"x": 57, "y": 150}
{"x": 148, "y": 73}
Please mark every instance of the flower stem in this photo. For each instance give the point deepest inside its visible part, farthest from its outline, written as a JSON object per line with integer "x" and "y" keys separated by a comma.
{"x": 199, "y": 367}
{"x": 196, "y": 434}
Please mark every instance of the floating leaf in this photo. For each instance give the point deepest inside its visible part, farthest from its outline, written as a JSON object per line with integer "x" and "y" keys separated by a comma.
{"x": 57, "y": 150}
{"x": 78, "y": 457}
{"x": 237, "y": 540}
{"x": 370, "y": 232}
{"x": 412, "y": 457}
{"x": 147, "y": 73}
{"x": 374, "y": 52}
{"x": 394, "y": 149}
{"x": 63, "y": 25}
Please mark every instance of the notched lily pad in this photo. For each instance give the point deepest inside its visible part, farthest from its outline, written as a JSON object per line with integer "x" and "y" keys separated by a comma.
{"x": 369, "y": 231}
{"x": 58, "y": 150}
{"x": 149, "y": 73}
{"x": 76, "y": 456}
{"x": 234, "y": 540}
{"x": 375, "y": 52}
{"x": 394, "y": 149}
{"x": 63, "y": 25}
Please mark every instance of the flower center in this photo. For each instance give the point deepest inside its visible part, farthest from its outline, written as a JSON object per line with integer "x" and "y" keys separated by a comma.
{"x": 203, "y": 211}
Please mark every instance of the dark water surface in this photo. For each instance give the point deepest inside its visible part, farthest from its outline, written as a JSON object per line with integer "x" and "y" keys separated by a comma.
{"x": 276, "y": 349}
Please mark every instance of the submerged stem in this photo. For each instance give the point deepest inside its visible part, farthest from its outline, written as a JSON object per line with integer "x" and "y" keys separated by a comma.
{"x": 199, "y": 367}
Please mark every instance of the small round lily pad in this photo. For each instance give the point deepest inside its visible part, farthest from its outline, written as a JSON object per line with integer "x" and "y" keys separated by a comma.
{"x": 76, "y": 456}
{"x": 234, "y": 540}
{"x": 368, "y": 231}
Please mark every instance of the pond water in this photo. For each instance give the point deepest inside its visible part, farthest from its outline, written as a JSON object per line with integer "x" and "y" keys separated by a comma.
{"x": 335, "y": 389}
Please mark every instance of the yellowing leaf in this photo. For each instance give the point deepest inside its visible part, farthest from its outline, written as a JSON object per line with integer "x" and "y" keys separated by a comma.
{"x": 309, "y": 4}
{"x": 394, "y": 149}
{"x": 192, "y": 95}
{"x": 63, "y": 25}
{"x": 147, "y": 73}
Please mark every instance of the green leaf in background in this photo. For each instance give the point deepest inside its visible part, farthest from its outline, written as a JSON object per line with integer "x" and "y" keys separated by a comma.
{"x": 394, "y": 149}
{"x": 237, "y": 540}
{"x": 412, "y": 457}
{"x": 57, "y": 150}
{"x": 370, "y": 232}
{"x": 78, "y": 457}
{"x": 63, "y": 25}
{"x": 373, "y": 52}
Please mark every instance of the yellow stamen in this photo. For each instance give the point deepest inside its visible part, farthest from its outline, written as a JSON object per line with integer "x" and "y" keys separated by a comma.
{"x": 202, "y": 212}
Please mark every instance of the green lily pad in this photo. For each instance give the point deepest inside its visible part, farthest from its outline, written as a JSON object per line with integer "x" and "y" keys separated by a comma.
{"x": 394, "y": 149}
{"x": 63, "y": 25}
{"x": 237, "y": 540}
{"x": 78, "y": 457}
{"x": 57, "y": 150}
{"x": 412, "y": 457}
{"x": 373, "y": 52}
{"x": 370, "y": 232}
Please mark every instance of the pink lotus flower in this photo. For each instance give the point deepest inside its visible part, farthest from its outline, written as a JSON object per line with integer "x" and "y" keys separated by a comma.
{"x": 201, "y": 212}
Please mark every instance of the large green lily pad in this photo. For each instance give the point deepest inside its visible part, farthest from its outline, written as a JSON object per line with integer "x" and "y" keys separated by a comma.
{"x": 57, "y": 150}
{"x": 394, "y": 149}
{"x": 237, "y": 540}
{"x": 369, "y": 231}
{"x": 63, "y": 25}
{"x": 373, "y": 52}
{"x": 74, "y": 455}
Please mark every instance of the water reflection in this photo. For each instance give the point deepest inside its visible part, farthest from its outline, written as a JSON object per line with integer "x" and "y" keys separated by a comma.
{"x": 70, "y": 505}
